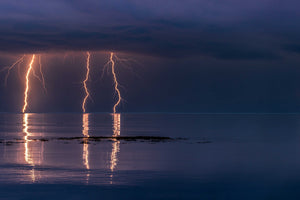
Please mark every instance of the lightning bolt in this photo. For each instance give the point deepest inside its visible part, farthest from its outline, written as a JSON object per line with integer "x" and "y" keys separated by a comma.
{"x": 27, "y": 83}
{"x": 20, "y": 60}
{"x": 87, "y": 94}
{"x": 41, "y": 79}
{"x": 35, "y": 75}
{"x": 42, "y": 74}
{"x": 116, "y": 83}
{"x": 111, "y": 64}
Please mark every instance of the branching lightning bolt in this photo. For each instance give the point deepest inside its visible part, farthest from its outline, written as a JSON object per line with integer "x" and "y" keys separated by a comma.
{"x": 35, "y": 75}
{"x": 11, "y": 67}
{"x": 42, "y": 74}
{"x": 27, "y": 83}
{"x": 87, "y": 94}
{"x": 111, "y": 64}
{"x": 41, "y": 79}
{"x": 116, "y": 83}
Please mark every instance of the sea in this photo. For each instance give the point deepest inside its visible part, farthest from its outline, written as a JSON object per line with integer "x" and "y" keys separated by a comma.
{"x": 149, "y": 156}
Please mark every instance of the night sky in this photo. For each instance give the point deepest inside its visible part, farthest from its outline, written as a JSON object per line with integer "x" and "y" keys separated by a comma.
{"x": 207, "y": 56}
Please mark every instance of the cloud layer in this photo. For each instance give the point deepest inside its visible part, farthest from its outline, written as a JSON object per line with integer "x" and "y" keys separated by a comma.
{"x": 227, "y": 29}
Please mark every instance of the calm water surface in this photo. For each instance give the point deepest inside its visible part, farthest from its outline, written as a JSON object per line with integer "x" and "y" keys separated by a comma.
{"x": 223, "y": 156}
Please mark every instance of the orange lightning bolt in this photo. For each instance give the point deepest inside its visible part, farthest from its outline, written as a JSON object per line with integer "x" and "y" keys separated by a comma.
{"x": 115, "y": 81}
{"x": 27, "y": 83}
{"x": 87, "y": 94}
{"x": 41, "y": 79}
{"x": 42, "y": 74}
{"x": 11, "y": 67}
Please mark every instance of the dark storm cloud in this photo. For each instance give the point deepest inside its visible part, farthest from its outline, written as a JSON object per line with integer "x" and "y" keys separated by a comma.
{"x": 293, "y": 48}
{"x": 228, "y": 29}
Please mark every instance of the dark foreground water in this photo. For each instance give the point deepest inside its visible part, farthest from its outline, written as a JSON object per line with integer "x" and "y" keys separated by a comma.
{"x": 75, "y": 156}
